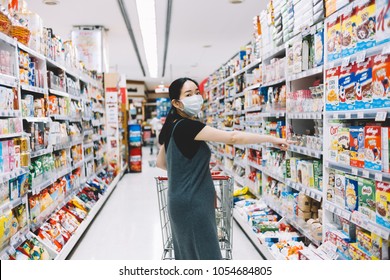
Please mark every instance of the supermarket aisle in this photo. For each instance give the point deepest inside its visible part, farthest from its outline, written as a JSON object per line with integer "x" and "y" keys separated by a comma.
{"x": 128, "y": 226}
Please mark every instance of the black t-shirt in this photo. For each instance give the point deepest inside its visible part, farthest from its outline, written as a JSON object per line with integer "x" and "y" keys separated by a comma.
{"x": 184, "y": 136}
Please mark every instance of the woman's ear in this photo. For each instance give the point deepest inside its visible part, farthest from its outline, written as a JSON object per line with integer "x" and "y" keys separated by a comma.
{"x": 177, "y": 104}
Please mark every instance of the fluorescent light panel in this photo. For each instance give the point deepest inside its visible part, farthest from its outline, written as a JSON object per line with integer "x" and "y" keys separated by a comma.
{"x": 147, "y": 20}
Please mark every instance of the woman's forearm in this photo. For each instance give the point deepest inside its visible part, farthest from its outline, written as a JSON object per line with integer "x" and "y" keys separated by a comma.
{"x": 242, "y": 138}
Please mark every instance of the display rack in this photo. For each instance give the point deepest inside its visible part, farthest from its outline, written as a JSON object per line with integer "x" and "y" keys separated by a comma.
{"x": 43, "y": 132}
{"x": 308, "y": 120}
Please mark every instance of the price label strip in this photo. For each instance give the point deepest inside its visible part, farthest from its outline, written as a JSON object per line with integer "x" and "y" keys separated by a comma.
{"x": 380, "y": 116}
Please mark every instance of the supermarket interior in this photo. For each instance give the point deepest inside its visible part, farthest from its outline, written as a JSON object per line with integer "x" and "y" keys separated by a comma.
{"x": 85, "y": 91}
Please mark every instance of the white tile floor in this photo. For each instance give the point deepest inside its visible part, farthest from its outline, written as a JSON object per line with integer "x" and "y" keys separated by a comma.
{"x": 128, "y": 226}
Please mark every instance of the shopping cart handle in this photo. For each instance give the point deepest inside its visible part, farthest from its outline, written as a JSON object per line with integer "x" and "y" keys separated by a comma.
{"x": 215, "y": 177}
{"x": 162, "y": 178}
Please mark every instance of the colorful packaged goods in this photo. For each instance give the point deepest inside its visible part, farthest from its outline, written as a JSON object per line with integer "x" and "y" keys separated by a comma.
{"x": 372, "y": 147}
{"x": 351, "y": 193}
{"x": 382, "y": 21}
{"x": 381, "y": 81}
{"x": 363, "y": 84}
{"x": 348, "y": 32}
{"x": 367, "y": 198}
{"x": 365, "y": 25}
{"x": 356, "y": 146}
{"x": 332, "y": 89}
{"x": 334, "y": 38}
{"x": 383, "y": 204}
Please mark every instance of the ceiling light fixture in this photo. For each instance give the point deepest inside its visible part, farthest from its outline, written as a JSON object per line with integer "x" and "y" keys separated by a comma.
{"x": 236, "y": 1}
{"x": 207, "y": 46}
{"x": 51, "y": 2}
{"x": 147, "y": 21}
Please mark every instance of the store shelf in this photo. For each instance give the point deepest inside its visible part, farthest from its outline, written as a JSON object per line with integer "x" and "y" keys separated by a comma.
{"x": 12, "y": 204}
{"x": 298, "y": 224}
{"x": 361, "y": 172}
{"x": 77, "y": 165}
{"x": 56, "y": 64}
{"x": 305, "y": 116}
{"x": 40, "y": 152}
{"x": 359, "y": 56}
{"x": 76, "y": 141}
{"x": 358, "y": 219}
{"x": 283, "y": 80}
{"x": 61, "y": 146}
{"x": 88, "y": 158}
{"x": 10, "y": 113}
{"x": 87, "y": 221}
{"x": 228, "y": 155}
{"x": 97, "y": 137}
{"x": 274, "y": 114}
{"x": 33, "y": 89}
{"x": 60, "y": 117}
{"x": 253, "y": 109}
{"x": 271, "y": 174}
{"x": 254, "y": 165}
{"x": 306, "y": 151}
{"x": 6, "y": 80}
{"x": 12, "y": 135}
{"x": 88, "y": 132}
{"x": 88, "y": 145}
{"x": 275, "y": 52}
{"x": 36, "y": 119}
{"x": 262, "y": 249}
{"x": 239, "y": 127}
{"x": 8, "y": 40}
{"x": 35, "y": 189}
{"x": 31, "y": 52}
{"x": 252, "y": 187}
{"x": 239, "y": 180}
{"x": 59, "y": 93}
{"x": 241, "y": 163}
{"x": 362, "y": 114}
{"x": 252, "y": 87}
{"x": 249, "y": 66}
{"x": 305, "y": 74}
{"x": 98, "y": 110}
{"x": 313, "y": 193}
{"x": 255, "y": 147}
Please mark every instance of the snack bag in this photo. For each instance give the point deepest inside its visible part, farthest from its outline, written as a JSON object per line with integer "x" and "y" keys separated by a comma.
{"x": 365, "y": 25}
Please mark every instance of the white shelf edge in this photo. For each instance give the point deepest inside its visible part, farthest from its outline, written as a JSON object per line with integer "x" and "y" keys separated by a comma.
{"x": 305, "y": 74}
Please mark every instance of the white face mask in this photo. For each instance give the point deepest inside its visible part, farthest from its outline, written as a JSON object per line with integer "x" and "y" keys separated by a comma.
{"x": 192, "y": 105}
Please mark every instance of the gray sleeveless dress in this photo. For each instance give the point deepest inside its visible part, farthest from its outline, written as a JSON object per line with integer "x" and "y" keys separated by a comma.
{"x": 191, "y": 204}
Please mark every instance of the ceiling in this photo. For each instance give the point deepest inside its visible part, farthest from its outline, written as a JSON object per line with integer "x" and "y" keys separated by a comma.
{"x": 194, "y": 24}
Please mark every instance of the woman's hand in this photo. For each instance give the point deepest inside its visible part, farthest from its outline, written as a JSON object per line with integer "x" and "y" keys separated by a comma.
{"x": 282, "y": 144}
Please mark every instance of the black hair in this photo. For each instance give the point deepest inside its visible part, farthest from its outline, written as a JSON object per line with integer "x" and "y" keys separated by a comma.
{"x": 174, "y": 93}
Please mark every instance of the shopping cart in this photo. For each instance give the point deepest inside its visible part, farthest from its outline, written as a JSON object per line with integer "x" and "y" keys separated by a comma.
{"x": 224, "y": 215}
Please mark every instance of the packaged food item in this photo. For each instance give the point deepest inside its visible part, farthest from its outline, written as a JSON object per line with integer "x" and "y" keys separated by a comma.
{"x": 4, "y": 193}
{"x": 382, "y": 21}
{"x": 343, "y": 141}
{"x": 332, "y": 89}
{"x": 340, "y": 181}
{"x": 364, "y": 240}
{"x": 334, "y": 141}
{"x": 385, "y": 149}
{"x": 372, "y": 147}
{"x": 13, "y": 189}
{"x": 35, "y": 206}
{"x": 24, "y": 184}
{"x": 379, "y": 249}
{"x": 363, "y": 84}
{"x": 20, "y": 213}
{"x": 334, "y": 38}
{"x": 330, "y": 190}
{"x": 319, "y": 48}
{"x": 365, "y": 25}
{"x": 348, "y": 228}
{"x": 52, "y": 235}
{"x": 351, "y": 193}
{"x": 356, "y": 146}
{"x": 383, "y": 204}
{"x": 367, "y": 198}
{"x": 348, "y": 32}
{"x": 381, "y": 81}
{"x": 38, "y": 251}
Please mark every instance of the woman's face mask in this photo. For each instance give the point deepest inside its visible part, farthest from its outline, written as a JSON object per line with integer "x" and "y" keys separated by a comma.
{"x": 192, "y": 105}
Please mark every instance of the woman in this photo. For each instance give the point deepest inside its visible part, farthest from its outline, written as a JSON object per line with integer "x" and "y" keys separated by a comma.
{"x": 186, "y": 156}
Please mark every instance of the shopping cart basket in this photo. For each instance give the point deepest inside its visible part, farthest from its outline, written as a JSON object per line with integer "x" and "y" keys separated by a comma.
{"x": 224, "y": 215}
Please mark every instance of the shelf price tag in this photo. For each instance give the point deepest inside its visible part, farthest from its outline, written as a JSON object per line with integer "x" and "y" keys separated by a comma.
{"x": 366, "y": 173}
{"x": 380, "y": 116}
{"x": 335, "y": 116}
{"x": 354, "y": 171}
{"x": 386, "y": 49}
{"x": 361, "y": 56}
{"x": 348, "y": 116}
{"x": 345, "y": 61}
{"x": 360, "y": 115}
{"x": 378, "y": 176}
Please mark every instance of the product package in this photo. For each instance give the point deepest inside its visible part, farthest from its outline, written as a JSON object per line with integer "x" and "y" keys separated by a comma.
{"x": 382, "y": 21}
{"x": 356, "y": 146}
{"x": 351, "y": 193}
{"x": 334, "y": 38}
{"x": 348, "y": 32}
{"x": 332, "y": 89}
{"x": 365, "y": 25}
{"x": 383, "y": 204}
{"x": 340, "y": 182}
{"x": 367, "y": 189}
{"x": 363, "y": 84}
{"x": 381, "y": 81}
{"x": 372, "y": 148}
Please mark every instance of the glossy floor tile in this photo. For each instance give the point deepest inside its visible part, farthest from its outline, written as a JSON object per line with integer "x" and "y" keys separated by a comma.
{"x": 128, "y": 225}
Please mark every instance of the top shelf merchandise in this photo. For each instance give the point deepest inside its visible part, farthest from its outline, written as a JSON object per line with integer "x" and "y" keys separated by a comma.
{"x": 323, "y": 82}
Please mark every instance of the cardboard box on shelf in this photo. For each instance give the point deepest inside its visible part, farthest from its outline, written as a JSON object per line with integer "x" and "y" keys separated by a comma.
{"x": 351, "y": 193}
{"x": 356, "y": 146}
{"x": 372, "y": 147}
{"x": 330, "y": 189}
{"x": 343, "y": 145}
{"x": 340, "y": 182}
{"x": 332, "y": 89}
{"x": 367, "y": 189}
{"x": 383, "y": 204}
